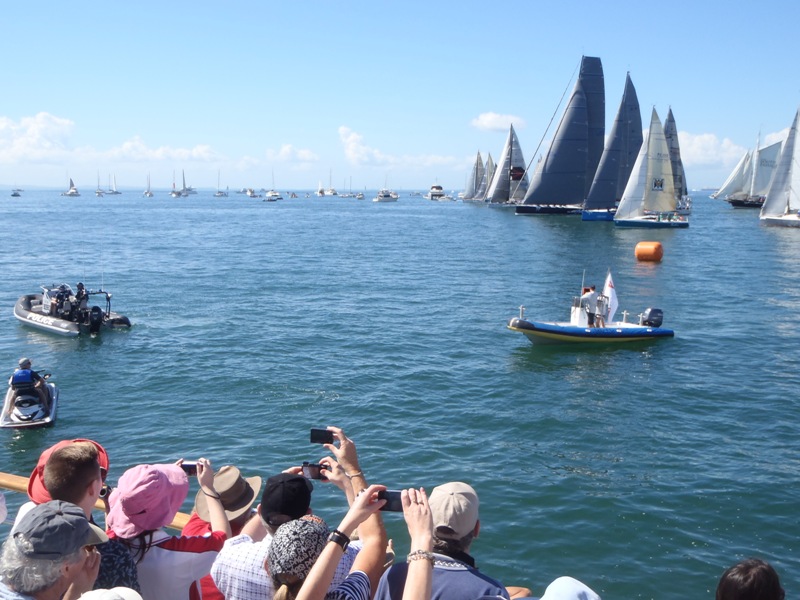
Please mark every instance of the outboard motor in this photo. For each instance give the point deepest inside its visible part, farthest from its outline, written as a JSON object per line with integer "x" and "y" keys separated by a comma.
{"x": 95, "y": 319}
{"x": 653, "y": 317}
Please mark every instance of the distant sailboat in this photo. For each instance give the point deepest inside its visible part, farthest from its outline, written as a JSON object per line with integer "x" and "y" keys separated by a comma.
{"x": 618, "y": 159}
{"x": 782, "y": 205}
{"x": 72, "y": 191}
{"x": 330, "y": 191}
{"x": 320, "y": 189}
{"x": 475, "y": 179}
{"x": 99, "y": 191}
{"x": 112, "y": 189}
{"x": 175, "y": 193}
{"x": 147, "y": 192}
{"x": 510, "y": 181}
{"x": 649, "y": 197}
{"x": 684, "y": 202}
{"x": 562, "y": 180}
{"x": 747, "y": 185}
{"x": 219, "y": 193}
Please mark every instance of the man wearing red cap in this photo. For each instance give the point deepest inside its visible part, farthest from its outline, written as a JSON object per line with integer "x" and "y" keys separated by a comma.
{"x": 74, "y": 471}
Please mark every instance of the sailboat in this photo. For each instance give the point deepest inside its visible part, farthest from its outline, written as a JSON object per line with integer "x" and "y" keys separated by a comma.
{"x": 219, "y": 193}
{"x": 649, "y": 197}
{"x": 474, "y": 180}
{"x": 99, "y": 191}
{"x": 483, "y": 186}
{"x": 562, "y": 180}
{"x": 330, "y": 191}
{"x": 320, "y": 189}
{"x": 618, "y": 158}
{"x": 112, "y": 189}
{"x": 748, "y": 183}
{"x": 510, "y": 181}
{"x": 147, "y": 193}
{"x": 72, "y": 191}
{"x": 272, "y": 195}
{"x": 782, "y": 204}
{"x": 176, "y": 193}
{"x": 683, "y": 201}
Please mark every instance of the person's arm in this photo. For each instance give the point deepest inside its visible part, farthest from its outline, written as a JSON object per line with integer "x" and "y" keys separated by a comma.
{"x": 417, "y": 514}
{"x": 82, "y": 575}
{"x": 216, "y": 512}
{"x": 347, "y": 456}
{"x": 364, "y": 515}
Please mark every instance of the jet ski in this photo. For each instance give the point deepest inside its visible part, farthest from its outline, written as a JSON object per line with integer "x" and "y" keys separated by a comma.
{"x": 24, "y": 408}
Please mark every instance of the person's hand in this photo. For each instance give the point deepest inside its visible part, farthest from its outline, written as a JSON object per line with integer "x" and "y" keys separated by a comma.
{"x": 417, "y": 513}
{"x": 205, "y": 475}
{"x": 364, "y": 505}
{"x": 86, "y": 573}
{"x": 345, "y": 452}
{"x": 334, "y": 473}
{"x": 294, "y": 470}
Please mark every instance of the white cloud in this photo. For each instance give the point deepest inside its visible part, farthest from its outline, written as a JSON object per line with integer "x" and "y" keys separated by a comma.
{"x": 289, "y": 153}
{"x": 135, "y": 150}
{"x": 707, "y": 150}
{"x": 491, "y": 121}
{"x": 39, "y": 138}
{"x": 360, "y": 154}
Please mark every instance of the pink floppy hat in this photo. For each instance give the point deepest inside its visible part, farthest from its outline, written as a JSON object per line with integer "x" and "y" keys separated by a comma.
{"x": 147, "y": 497}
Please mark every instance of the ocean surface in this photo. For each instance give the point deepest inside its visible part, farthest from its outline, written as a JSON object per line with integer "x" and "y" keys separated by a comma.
{"x": 643, "y": 471}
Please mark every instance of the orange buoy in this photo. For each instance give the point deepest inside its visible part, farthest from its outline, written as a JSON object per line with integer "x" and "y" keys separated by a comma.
{"x": 649, "y": 251}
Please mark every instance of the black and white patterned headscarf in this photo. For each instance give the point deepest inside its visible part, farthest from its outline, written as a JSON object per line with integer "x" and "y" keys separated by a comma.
{"x": 295, "y": 548}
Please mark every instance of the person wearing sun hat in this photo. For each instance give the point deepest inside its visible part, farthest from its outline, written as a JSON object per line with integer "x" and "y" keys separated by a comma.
{"x": 74, "y": 471}
{"x": 238, "y": 494}
{"x": 146, "y": 499}
{"x": 456, "y": 523}
{"x": 51, "y": 551}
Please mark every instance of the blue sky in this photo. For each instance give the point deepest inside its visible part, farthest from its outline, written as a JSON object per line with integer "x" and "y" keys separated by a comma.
{"x": 402, "y": 93}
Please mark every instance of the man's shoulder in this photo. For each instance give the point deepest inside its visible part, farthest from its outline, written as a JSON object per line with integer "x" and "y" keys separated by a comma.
{"x": 243, "y": 548}
{"x": 452, "y": 579}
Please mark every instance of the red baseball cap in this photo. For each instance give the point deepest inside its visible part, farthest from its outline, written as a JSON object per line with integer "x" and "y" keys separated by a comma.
{"x": 36, "y": 490}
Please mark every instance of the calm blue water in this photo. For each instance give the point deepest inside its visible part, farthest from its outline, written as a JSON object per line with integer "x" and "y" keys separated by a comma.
{"x": 642, "y": 471}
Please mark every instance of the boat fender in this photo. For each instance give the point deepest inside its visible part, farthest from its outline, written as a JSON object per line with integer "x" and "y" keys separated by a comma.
{"x": 649, "y": 251}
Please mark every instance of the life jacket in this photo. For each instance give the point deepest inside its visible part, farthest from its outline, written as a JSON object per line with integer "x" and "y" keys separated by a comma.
{"x": 22, "y": 378}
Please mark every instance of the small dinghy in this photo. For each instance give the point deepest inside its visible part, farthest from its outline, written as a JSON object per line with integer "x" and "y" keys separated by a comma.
{"x": 577, "y": 330}
{"x": 58, "y": 310}
{"x": 24, "y": 408}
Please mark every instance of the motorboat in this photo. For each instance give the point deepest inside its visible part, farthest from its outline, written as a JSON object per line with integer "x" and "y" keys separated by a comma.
{"x": 24, "y": 408}
{"x": 577, "y": 329}
{"x": 384, "y": 196}
{"x": 58, "y": 310}
{"x": 272, "y": 196}
{"x": 435, "y": 193}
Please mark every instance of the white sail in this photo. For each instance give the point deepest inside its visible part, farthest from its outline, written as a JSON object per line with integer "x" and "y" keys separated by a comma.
{"x": 764, "y": 168}
{"x": 475, "y": 178}
{"x": 488, "y": 174}
{"x": 737, "y": 180}
{"x": 650, "y": 187}
{"x": 783, "y": 198}
{"x": 510, "y": 181}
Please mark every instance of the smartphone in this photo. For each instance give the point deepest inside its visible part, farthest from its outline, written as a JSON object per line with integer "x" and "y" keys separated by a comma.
{"x": 189, "y": 467}
{"x": 312, "y": 470}
{"x": 321, "y": 436}
{"x": 393, "y": 502}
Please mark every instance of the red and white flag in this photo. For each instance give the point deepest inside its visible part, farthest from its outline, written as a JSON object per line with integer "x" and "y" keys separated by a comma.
{"x": 610, "y": 293}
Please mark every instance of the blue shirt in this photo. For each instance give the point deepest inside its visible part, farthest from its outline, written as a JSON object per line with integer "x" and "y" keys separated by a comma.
{"x": 452, "y": 580}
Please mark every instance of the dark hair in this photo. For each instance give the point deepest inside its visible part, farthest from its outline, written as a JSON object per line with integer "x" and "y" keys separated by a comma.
{"x": 750, "y": 579}
{"x": 70, "y": 470}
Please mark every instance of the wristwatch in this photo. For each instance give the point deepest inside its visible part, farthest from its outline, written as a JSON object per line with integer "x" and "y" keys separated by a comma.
{"x": 337, "y": 537}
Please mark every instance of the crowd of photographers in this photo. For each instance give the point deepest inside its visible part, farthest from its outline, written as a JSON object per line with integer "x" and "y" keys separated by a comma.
{"x": 242, "y": 542}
